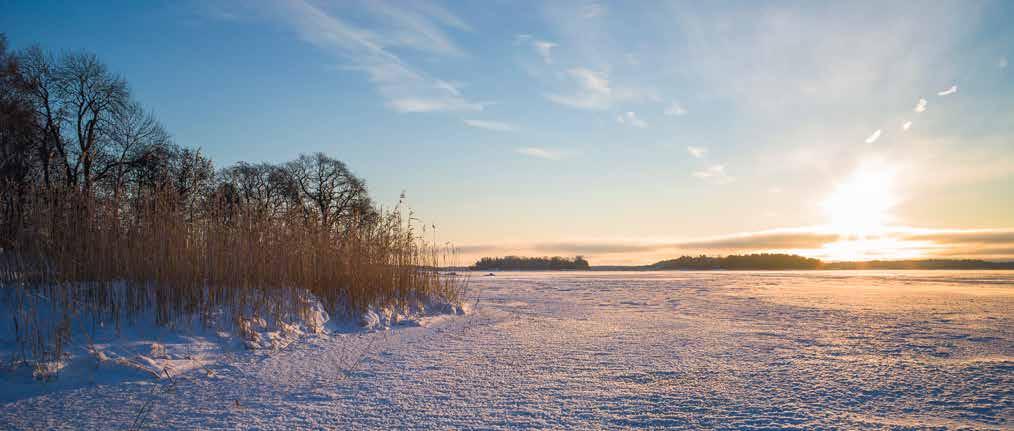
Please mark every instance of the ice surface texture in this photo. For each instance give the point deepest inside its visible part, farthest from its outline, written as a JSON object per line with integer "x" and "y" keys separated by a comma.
{"x": 768, "y": 350}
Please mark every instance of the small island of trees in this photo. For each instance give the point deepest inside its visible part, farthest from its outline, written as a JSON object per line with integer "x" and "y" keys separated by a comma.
{"x": 519, "y": 263}
{"x": 737, "y": 262}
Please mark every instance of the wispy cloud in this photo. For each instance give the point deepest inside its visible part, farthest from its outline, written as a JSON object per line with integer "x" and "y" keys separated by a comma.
{"x": 417, "y": 26}
{"x": 1002, "y": 253}
{"x": 545, "y": 50}
{"x": 920, "y": 106}
{"x": 873, "y": 137}
{"x": 775, "y": 239}
{"x": 590, "y": 80}
{"x": 962, "y": 236}
{"x": 491, "y": 125}
{"x": 521, "y": 38}
{"x": 697, "y": 152}
{"x": 949, "y": 91}
{"x": 448, "y": 87}
{"x": 630, "y": 118}
{"x": 806, "y": 240}
{"x": 541, "y": 153}
{"x": 906, "y": 125}
{"x": 675, "y": 109}
{"x": 715, "y": 174}
{"x": 593, "y": 90}
{"x": 596, "y": 247}
{"x": 433, "y": 105}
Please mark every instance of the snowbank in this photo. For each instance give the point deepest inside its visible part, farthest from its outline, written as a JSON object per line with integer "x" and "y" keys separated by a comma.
{"x": 104, "y": 353}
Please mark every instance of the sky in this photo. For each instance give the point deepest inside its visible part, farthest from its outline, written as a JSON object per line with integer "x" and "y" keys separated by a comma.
{"x": 627, "y": 132}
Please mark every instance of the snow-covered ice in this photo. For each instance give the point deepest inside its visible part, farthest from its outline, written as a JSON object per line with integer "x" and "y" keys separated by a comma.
{"x": 678, "y": 350}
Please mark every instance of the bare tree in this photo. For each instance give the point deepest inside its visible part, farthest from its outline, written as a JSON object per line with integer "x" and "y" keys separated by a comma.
{"x": 335, "y": 196}
{"x": 264, "y": 188}
{"x": 133, "y": 137}
{"x": 91, "y": 95}
{"x": 15, "y": 120}
{"x": 38, "y": 72}
{"x": 16, "y": 141}
{"x": 191, "y": 176}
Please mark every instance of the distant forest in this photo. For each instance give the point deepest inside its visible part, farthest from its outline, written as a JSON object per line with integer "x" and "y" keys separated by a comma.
{"x": 795, "y": 262}
{"x": 764, "y": 261}
{"x": 518, "y": 263}
{"x": 736, "y": 262}
{"x": 921, "y": 264}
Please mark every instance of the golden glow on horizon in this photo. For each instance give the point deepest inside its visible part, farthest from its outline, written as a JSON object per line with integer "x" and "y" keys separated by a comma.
{"x": 855, "y": 249}
{"x": 859, "y": 212}
{"x": 860, "y": 222}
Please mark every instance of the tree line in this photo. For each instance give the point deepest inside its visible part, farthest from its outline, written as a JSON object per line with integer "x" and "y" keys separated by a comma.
{"x": 70, "y": 131}
{"x": 920, "y": 264}
{"x": 775, "y": 261}
{"x": 94, "y": 190}
{"x": 518, "y": 263}
{"x": 739, "y": 262}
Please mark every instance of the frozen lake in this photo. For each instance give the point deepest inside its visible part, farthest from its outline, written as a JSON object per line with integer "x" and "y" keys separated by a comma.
{"x": 678, "y": 350}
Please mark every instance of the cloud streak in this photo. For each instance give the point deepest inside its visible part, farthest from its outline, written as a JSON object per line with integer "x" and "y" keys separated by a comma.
{"x": 697, "y": 152}
{"x": 418, "y": 27}
{"x": 778, "y": 239}
{"x": 873, "y": 137}
{"x": 433, "y": 105}
{"x": 540, "y": 153}
{"x": 962, "y": 236}
{"x": 928, "y": 243}
{"x": 949, "y": 91}
{"x": 630, "y": 118}
{"x": 491, "y": 125}
{"x": 593, "y": 90}
{"x": 715, "y": 174}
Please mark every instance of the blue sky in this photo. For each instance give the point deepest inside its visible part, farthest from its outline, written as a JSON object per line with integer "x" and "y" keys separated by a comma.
{"x": 627, "y": 131}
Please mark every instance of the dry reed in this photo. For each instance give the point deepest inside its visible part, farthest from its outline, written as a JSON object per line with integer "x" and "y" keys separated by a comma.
{"x": 85, "y": 261}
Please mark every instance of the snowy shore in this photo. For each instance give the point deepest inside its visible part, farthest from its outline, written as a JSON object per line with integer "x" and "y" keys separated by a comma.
{"x": 774, "y": 350}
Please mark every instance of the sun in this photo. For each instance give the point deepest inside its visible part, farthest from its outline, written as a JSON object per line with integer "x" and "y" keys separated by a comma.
{"x": 859, "y": 208}
{"x": 859, "y": 212}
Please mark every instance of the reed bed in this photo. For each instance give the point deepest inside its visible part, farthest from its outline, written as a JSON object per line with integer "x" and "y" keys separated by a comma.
{"x": 80, "y": 263}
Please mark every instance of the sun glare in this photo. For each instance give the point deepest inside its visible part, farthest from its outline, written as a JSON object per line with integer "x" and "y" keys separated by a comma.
{"x": 859, "y": 211}
{"x": 860, "y": 206}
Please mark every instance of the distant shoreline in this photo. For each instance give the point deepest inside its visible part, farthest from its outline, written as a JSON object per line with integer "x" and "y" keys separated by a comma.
{"x": 649, "y": 269}
{"x": 642, "y": 268}
{"x": 772, "y": 262}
